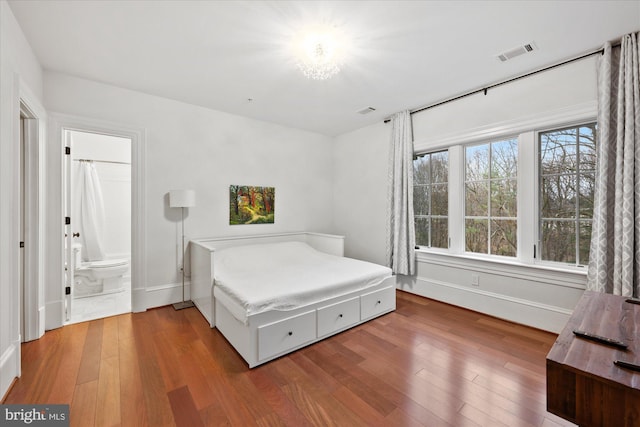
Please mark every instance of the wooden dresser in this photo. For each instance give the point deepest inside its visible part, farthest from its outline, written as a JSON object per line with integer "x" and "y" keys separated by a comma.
{"x": 583, "y": 384}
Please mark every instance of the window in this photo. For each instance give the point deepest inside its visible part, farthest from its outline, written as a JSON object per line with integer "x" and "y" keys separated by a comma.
{"x": 567, "y": 181}
{"x": 491, "y": 198}
{"x": 431, "y": 199}
{"x": 526, "y": 198}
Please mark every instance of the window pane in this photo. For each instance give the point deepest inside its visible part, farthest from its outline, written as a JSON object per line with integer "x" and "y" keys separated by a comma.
{"x": 440, "y": 233}
{"x": 504, "y": 159}
{"x": 491, "y": 193}
{"x": 558, "y": 152}
{"x": 584, "y": 242}
{"x": 422, "y": 231}
{"x": 504, "y": 237}
{"x": 567, "y": 168}
{"x": 440, "y": 199}
{"x": 477, "y": 162}
{"x": 559, "y": 196}
{"x": 504, "y": 198}
{"x": 431, "y": 197}
{"x": 587, "y": 144}
{"x": 440, "y": 167}
{"x": 587, "y": 192}
{"x": 476, "y": 199}
{"x": 559, "y": 241}
{"x": 476, "y": 235}
{"x": 421, "y": 170}
{"x": 421, "y": 200}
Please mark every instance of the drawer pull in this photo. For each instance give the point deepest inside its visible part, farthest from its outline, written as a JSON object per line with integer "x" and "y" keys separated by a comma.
{"x": 378, "y": 302}
{"x": 290, "y": 333}
{"x": 340, "y": 315}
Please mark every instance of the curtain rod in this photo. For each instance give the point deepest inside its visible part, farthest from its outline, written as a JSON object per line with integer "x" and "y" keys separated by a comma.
{"x": 486, "y": 88}
{"x": 102, "y": 161}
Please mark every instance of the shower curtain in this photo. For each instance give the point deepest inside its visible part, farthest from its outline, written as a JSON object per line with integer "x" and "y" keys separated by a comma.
{"x": 91, "y": 220}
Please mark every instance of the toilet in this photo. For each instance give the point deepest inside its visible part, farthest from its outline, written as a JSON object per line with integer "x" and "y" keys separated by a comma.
{"x": 97, "y": 277}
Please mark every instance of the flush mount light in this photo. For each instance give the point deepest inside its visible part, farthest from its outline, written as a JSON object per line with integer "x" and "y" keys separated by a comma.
{"x": 319, "y": 53}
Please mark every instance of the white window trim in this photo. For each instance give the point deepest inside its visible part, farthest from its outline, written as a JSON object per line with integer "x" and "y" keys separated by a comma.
{"x": 527, "y": 196}
{"x": 528, "y": 227}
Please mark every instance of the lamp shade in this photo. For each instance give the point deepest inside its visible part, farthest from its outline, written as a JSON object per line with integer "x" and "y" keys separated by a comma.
{"x": 182, "y": 198}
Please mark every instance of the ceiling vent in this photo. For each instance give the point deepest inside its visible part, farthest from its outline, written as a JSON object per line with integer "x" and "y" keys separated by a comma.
{"x": 520, "y": 50}
{"x": 366, "y": 110}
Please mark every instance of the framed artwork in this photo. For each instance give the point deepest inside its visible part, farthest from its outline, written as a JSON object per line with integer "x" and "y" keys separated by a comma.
{"x": 251, "y": 205}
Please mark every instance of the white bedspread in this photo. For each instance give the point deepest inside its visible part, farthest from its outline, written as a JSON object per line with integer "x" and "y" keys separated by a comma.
{"x": 283, "y": 276}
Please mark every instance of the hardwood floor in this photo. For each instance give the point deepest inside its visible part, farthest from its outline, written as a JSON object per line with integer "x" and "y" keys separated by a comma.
{"x": 426, "y": 364}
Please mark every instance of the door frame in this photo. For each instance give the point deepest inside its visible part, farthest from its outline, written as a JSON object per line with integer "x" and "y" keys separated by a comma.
{"x": 33, "y": 305}
{"x": 55, "y": 286}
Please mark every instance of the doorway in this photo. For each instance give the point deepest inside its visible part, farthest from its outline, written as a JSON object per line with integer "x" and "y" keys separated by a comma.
{"x": 30, "y": 220}
{"x": 97, "y": 204}
{"x": 22, "y": 221}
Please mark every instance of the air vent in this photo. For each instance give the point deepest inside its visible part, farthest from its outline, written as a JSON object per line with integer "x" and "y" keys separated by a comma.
{"x": 366, "y": 110}
{"x": 517, "y": 51}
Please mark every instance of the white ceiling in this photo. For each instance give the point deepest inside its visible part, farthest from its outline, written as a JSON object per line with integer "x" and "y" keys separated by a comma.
{"x": 404, "y": 54}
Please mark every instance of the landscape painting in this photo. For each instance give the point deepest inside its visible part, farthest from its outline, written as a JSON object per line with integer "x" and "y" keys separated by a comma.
{"x": 251, "y": 205}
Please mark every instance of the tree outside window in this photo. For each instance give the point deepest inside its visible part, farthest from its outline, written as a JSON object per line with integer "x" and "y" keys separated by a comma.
{"x": 567, "y": 182}
{"x": 491, "y": 198}
{"x": 431, "y": 199}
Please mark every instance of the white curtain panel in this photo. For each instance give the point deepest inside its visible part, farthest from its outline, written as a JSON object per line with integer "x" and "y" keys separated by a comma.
{"x": 614, "y": 260}
{"x": 91, "y": 212}
{"x": 401, "y": 238}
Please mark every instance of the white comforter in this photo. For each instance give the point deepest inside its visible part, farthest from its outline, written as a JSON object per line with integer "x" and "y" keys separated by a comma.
{"x": 283, "y": 276}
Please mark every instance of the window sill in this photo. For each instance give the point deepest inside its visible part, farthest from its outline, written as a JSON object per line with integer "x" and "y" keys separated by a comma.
{"x": 574, "y": 277}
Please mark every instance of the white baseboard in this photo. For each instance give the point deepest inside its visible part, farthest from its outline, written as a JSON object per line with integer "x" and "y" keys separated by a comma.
{"x": 138, "y": 303}
{"x": 9, "y": 367}
{"x": 159, "y": 296}
{"x": 54, "y": 314}
{"x": 142, "y": 298}
{"x": 525, "y": 312}
{"x": 41, "y": 321}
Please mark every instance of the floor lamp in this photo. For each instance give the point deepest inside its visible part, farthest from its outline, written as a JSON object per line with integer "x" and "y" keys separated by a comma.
{"x": 182, "y": 199}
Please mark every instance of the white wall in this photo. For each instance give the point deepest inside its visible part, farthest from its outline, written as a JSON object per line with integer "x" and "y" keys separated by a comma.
{"x": 195, "y": 148}
{"x": 18, "y": 68}
{"x": 543, "y": 298}
{"x": 360, "y": 205}
{"x": 565, "y": 87}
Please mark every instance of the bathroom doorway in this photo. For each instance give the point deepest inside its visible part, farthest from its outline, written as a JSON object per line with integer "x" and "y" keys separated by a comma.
{"x": 97, "y": 203}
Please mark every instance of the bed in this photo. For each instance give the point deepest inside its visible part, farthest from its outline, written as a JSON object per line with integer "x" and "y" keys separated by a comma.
{"x": 272, "y": 294}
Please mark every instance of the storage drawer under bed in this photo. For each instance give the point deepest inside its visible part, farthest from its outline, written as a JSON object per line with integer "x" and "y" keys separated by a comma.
{"x": 338, "y": 316}
{"x": 284, "y": 335}
{"x": 376, "y": 302}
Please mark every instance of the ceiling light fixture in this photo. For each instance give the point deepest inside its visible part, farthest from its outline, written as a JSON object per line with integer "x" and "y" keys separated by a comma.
{"x": 319, "y": 55}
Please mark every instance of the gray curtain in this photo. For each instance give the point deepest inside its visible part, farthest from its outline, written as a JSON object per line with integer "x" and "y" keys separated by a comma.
{"x": 614, "y": 260}
{"x": 401, "y": 238}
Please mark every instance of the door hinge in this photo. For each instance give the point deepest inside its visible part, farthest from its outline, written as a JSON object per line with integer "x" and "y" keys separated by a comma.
{"x": 534, "y": 251}
{"x": 67, "y": 150}
{"x": 22, "y": 244}
{"x": 67, "y": 290}
{"x": 67, "y": 220}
